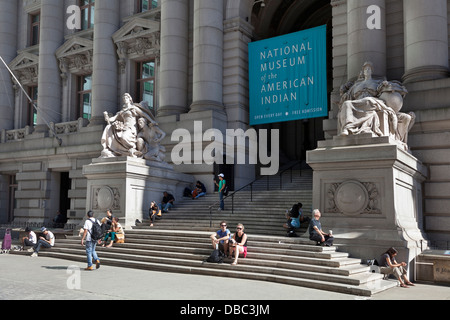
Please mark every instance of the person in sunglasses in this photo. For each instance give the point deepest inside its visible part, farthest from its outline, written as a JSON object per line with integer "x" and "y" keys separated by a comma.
{"x": 238, "y": 244}
{"x": 221, "y": 238}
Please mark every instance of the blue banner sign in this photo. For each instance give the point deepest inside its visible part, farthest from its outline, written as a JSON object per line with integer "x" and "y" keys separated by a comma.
{"x": 288, "y": 77}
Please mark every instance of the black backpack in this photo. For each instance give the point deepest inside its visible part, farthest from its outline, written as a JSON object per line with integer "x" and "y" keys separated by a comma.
{"x": 96, "y": 230}
{"x": 225, "y": 191}
{"x": 215, "y": 257}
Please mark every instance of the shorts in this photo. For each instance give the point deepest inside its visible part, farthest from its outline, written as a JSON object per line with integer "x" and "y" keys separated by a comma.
{"x": 293, "y": 224}
{"x": 244, "y": 253}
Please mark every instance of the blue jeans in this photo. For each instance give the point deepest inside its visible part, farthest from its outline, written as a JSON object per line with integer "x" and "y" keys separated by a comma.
{"x": 201, "y": 194}
{"x": 222, "y": 203}
{"x": 165, "y": 206}
{"x": 90, "y": 252}
{"x": 41, "y": 243}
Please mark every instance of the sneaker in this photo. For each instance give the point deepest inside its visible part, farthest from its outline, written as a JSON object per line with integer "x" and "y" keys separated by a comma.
{"x": 89, "y": 268}
{"x": 34, "y": 255}
{"x": 97, "y": 264}
{"x": 30, "y": 250}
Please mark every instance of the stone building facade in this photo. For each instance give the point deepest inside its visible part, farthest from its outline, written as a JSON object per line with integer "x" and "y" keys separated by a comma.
{"x": 188, "y": 60}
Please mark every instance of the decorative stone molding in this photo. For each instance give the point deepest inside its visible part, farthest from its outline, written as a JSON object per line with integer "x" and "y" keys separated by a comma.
{"x": 106, "y": 198}
{"x": 137, "y": 39}
{"x": 26, "y": 68}
{"x": 238, "y": 24}
{"x": 75, "y": 56}
{"x": 31, "y": 6}
{"x": 68, "y": 127}
{"x": 353, "y": 198}
{"x": 15, "y": 135}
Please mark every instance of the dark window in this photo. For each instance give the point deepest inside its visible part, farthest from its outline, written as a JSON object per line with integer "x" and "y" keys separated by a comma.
{"x": 84, "y": 97}
{"x": 146, "y": 5}
{"x": 35, "y": 20}
{"x": 12, "y": 202}
{"x": 87, "y": 14}
{"x": 32, "y": 112}
{"x": 146, "y": 83}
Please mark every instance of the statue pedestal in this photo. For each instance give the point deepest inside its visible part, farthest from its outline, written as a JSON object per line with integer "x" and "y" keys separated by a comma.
{"x": 370, "y": 194}
{"x": 127, "y": 186}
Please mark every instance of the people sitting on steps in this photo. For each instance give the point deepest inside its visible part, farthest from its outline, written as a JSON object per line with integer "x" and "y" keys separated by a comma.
{"x": 238, "y": 244}
{"x": 388, "y": 265}
{"x": 294, "y": 218}
{"x": 154, "y": 213}
{"x": 315, "y": 231}
{"x": 167, "y": 202}
{"x": 47, "y": 240}
{"x": 199, "y": 191}
{"x": 116, "y": 234}
{"x": 220, "y": 239}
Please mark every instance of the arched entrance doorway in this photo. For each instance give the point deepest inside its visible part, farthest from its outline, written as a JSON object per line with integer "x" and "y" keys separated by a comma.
{"x": 280, "y": 17}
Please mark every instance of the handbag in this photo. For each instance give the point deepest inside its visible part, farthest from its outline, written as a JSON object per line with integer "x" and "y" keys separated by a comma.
{"x": 120, "y": 238}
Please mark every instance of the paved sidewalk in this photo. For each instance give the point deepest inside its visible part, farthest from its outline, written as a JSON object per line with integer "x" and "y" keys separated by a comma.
{"x": 26, "y": 278}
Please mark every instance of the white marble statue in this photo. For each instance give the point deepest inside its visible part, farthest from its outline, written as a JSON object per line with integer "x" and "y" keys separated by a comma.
{"x": 368, "y": 105}
{"x": 149, "y": 141}
{"x": 132, "y": 132}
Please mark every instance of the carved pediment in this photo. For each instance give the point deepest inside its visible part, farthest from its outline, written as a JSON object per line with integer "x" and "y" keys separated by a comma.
{"x": 26, "y": 68}
{"x": 137, "y": 39}
{"x": 75, "y": 56}
{"x": 136, "y": 28}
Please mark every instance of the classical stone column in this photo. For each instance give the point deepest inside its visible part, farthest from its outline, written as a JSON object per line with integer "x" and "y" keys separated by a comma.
{"x": 208, "y": 56}
{"x": 105, "y": 61}
{"x": 8, "y": 50}
{"x": 426, "y": 40}
{"x": 173, "y": 82}
{"x": 51, "y": 38}
{"x": 366, "y": 36}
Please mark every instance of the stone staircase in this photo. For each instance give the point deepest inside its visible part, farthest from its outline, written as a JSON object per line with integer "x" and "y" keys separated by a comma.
{"x": 180, "y": 243}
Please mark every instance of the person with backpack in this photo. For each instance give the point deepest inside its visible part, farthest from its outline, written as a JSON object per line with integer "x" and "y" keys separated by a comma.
{"x": 222, "y": 190}
{"x": 92, "y": 233}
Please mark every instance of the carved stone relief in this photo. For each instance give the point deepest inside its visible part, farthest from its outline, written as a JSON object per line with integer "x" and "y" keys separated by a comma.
{"x": 353, "y": 198}
{"x": 106, "y": 198}
{"x": 137, "y": 39}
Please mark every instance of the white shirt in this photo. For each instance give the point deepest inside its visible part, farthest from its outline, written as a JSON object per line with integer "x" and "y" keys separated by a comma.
{"x": 88, "y": 226}
{"x": 50, "y": 237}
{"x": 32, "y": 237}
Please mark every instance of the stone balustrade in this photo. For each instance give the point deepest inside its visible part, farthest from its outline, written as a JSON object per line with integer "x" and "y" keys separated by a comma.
{"x": 64, "y": 128}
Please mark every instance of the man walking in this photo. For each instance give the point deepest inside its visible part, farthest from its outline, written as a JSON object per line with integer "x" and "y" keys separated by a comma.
{"x": 90, "y": 243}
